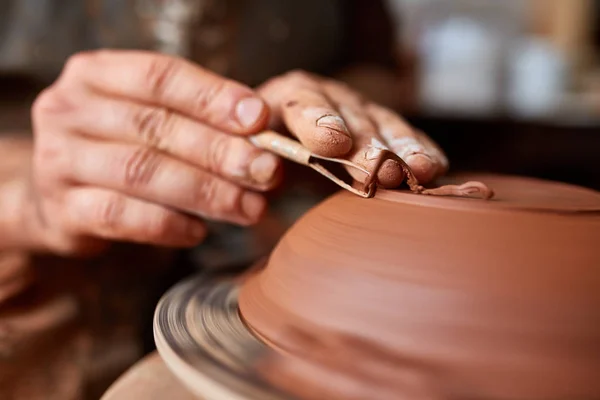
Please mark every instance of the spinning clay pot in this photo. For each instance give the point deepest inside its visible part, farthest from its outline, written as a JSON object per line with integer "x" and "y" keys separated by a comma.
{"x": 419, "y": 297}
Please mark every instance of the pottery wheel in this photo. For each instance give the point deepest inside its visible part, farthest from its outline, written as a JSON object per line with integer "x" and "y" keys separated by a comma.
{"x": 497, "y": 296}
{"x": 202, "y": 339}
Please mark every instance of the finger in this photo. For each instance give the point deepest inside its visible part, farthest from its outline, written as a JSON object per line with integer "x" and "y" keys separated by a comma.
{"x": 436, "y": 152}
{"x": 115, "y": 216}
{"x": 296, "y": 99}
{"x": 231, "y": 157}
{"x": 401, "y": 138}
{"x": 153, "y": 176}
{"x": 365, "y": 138}
{"x": 170, "y": 82}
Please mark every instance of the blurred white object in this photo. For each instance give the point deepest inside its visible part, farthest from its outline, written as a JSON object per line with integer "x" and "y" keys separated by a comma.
{"x": 461, "y": 67}
{"x": 536, "y": 79}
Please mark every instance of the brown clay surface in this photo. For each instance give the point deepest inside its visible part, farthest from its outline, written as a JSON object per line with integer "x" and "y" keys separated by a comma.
{"x": 412, "y": 296}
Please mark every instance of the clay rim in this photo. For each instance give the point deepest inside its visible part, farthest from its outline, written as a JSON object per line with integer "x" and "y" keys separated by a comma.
{"x": 573, "y": 200}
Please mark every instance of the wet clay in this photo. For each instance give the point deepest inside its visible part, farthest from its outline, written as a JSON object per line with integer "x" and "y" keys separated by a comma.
{"x": 376, "y": 166}
{"x": 473, "y": 189}
{"x": 366, "y": 152}
{"x": 421, "y": 297}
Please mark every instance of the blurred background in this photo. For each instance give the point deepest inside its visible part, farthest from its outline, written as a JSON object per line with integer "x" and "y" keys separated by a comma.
{"x": 509, "y": 86}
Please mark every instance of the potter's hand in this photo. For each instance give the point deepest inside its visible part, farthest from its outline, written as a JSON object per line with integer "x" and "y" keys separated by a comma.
{"x": 333, "y": 120}
{"x": 135, "y": 146}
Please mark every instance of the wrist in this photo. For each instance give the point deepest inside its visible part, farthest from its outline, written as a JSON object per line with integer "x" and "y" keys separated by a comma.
{"x": 21, "y": 226}
{"x": 27, "y": 230}
{"x": 18, "y": 226}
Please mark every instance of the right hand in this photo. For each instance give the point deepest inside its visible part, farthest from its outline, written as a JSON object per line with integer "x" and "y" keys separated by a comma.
{"x": 137, "y": 146}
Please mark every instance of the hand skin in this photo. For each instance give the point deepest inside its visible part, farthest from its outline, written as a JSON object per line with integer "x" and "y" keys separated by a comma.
{"x": 137, "y": 146}
{"x": 334, "y": 120}
{"x": 141, "y": 147}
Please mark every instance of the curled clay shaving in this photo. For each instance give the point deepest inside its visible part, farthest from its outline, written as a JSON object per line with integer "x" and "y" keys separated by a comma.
{"x": 468, "y": 189}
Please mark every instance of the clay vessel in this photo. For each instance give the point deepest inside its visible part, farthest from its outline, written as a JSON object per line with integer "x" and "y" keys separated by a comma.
{"x": 407, "y": 296}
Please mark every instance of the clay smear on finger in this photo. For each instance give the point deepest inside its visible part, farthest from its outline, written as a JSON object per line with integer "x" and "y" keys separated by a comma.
{"x": 390, "y": 174}
{"x": 334, "y": 122}
{"x": 434, "y": 150}
{"x": 316, "y": 123}
{"x": 410, "y": 149}
{"x": 366, "y": 143}
{"x": 401, "y": 138}
{"x": 326, "y": 133}
{"x": 354, "y": 109}
{"x": 468, "y": 189}
{"x": 333, "y": 137}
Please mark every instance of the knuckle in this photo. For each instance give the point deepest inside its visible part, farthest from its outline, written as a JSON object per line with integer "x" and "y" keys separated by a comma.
{"x": 207, "y": 192}
{"x": 229, "y": 201}
{"x": 343, "y": 91}
{"x": 78, "y": 62}
{"x": 387, "y": 113}
{"x": 141, "y": 167}
{"x": 300, "y": 78}
{"x": 153, "y": 125}
{"x": 50, "y": 103}
{"x": 109, "y": 213}
{"x": 297, "y": 75}
{"x": 207, "y": 95}
{"x": 381, "y": 114}
{"x": 159, "y": 73}
{"x": 50, "y": 161}
{"x": 43, "y": 102}
{"x": 159, "y": 227}
{"x": 219, "y": 199}
{"x": 217, "y": 153}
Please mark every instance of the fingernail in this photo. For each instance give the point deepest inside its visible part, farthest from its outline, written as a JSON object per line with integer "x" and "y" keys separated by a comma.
{"x": 334, "y": 122}
{"x": 253, "y": 205}
{"x": 263, "y": 167}
{"x": 249, "y": 110}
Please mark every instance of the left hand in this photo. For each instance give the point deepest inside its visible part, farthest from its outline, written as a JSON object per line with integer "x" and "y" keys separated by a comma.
{"x": 333, "y": 120}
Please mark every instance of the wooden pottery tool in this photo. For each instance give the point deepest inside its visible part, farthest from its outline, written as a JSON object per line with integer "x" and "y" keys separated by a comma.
{"x": 294, "y": 151}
